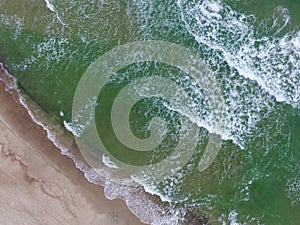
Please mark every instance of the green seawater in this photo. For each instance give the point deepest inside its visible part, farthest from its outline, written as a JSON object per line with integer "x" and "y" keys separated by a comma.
{"x": 253, "y": 50}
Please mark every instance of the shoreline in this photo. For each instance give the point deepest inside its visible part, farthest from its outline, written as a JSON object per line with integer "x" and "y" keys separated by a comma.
{"x": 39, "y": 184}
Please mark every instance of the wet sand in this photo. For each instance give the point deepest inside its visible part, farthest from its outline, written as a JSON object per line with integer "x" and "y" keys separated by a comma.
{"x": 38, "y": 185}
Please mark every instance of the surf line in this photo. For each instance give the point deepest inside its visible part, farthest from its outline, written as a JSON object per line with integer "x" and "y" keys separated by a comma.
{"x": 51, "y": 7}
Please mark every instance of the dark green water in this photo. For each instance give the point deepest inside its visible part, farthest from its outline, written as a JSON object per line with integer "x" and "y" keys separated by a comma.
{"x": 253, "y": 50}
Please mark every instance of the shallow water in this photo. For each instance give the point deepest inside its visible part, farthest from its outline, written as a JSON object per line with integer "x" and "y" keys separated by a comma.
{"x": 237, "y": 95}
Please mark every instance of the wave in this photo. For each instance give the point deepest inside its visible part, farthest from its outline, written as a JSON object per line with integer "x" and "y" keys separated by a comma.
{"x": 264, "y": 65}
{"x": 148, "y": 208}
{"x": 270, "y": 60}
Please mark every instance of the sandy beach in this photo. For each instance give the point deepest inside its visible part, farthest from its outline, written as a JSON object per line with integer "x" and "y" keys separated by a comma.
{"x": 38, "y": 185}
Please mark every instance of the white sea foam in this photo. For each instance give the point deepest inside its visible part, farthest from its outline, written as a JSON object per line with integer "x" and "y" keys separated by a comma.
{"x": 108, "y": 162}
{"x": 87, "y": 112}
{"x": 13, "y": 21}
{"x": 232, "y": 219}
{"x": 273, "y": 64}
{"x": 152, "y": 189}
{"x": 264, "y": 67}
{"x": 52, "y": 8}
{"x": 50, "y": 5}
{"x": 241, "y": 56}
{"x": 293, "y": 190}
{"x": 53, "y": 50}
{"x": 150, "y": 212}
{"x": 145, "y": 208}
{"x": 271, "y": 60}
{"x": 136, "y": 199}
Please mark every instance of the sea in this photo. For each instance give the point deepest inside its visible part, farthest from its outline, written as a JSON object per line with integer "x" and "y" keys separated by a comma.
{"x": 188, "y": 110}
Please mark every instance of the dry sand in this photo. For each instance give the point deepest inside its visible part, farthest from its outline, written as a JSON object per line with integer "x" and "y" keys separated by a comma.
{"x": 38, "y": 185}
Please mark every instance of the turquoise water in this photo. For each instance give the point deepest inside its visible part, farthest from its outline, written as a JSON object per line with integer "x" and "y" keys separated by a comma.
{"x": 252, "y": 53}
